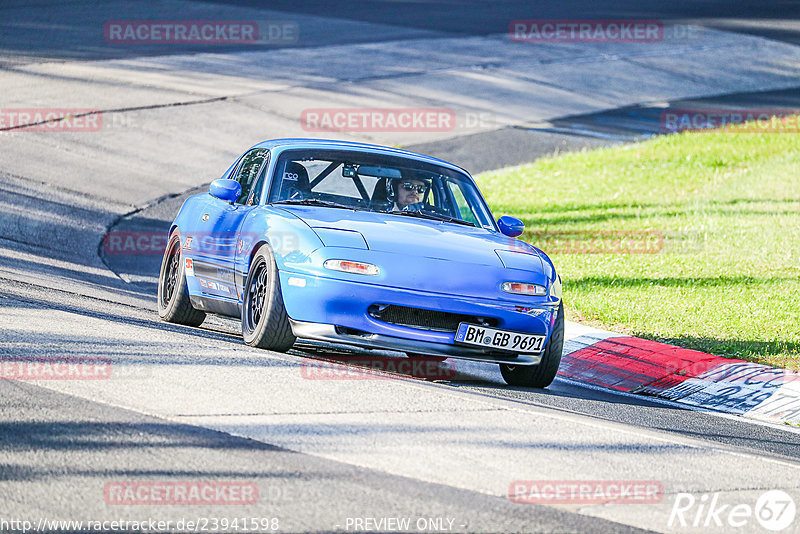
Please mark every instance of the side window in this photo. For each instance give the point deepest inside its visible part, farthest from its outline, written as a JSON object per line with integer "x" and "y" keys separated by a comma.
{"x": 248, "y": 170}
{"x": 255, "y": 193}
{"x": 464, "y": 209}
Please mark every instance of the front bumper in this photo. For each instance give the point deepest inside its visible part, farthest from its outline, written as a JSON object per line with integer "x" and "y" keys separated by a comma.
{"x": 330, "y": 333}
{"x": 333, "y": 310}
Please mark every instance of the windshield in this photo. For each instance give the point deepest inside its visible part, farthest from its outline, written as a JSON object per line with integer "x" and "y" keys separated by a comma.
{"x": 377, "y": 182}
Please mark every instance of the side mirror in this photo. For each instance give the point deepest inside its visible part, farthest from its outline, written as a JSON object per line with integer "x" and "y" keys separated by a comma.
{"x": 510, "y": 226}
{"x": 225, "y": 189}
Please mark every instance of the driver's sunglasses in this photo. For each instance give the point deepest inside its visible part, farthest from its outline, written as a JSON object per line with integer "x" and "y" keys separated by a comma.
{"x": 408, "y": 186}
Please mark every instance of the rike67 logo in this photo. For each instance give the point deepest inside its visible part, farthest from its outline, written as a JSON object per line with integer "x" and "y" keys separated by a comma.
{"x": 774, "y": 510}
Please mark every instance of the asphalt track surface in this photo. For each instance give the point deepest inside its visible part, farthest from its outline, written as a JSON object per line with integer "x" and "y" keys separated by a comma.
{"x": 774, "y": 20}
{"x": 58, "y": 297}
{"x": 26, "y": 38}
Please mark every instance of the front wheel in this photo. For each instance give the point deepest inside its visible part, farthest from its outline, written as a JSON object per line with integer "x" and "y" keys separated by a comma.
{"x": 542, "y": 375}
{"x": 173, "y": 295}
{"x": 265, "y": 323}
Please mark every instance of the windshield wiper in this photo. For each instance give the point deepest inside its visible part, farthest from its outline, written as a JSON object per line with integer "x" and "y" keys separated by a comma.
{"x": 312, "y": 202}
{"x": 425, "y": 214}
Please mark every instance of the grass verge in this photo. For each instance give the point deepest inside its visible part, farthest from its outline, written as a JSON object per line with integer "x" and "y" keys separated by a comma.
{"x": 691, "y": 239}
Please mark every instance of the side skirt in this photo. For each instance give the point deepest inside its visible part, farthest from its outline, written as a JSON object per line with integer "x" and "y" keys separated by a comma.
{"x": 228, "y": 307}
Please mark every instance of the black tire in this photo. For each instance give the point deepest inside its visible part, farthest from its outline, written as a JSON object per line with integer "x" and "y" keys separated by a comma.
{"x": 265, "y": 323}
{"x": 542, "y": 375}
{"x": 173, "y": 295}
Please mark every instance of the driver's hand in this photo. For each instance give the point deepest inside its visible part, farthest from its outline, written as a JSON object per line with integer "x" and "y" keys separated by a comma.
{"x": 418, "y": 206}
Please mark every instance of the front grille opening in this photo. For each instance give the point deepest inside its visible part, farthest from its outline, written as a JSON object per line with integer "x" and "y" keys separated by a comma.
{"x": 344, "y": 330}
{"x": 437, "y": 321}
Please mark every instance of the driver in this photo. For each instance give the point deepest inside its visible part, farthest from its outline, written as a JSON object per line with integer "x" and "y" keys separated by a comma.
{"x": 408, "y": 191}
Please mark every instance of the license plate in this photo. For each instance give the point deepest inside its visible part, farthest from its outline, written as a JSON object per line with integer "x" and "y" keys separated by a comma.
{"x": 491, "y": 338}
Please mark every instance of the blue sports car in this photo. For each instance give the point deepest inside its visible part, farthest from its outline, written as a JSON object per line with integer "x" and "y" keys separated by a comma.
{"x": 363, "y": 245}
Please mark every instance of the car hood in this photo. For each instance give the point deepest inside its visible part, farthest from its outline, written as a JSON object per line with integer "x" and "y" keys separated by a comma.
{"x": 423, "y": 238}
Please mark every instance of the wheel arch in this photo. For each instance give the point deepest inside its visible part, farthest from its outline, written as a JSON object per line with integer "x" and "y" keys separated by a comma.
{"x": 254, "y": 251}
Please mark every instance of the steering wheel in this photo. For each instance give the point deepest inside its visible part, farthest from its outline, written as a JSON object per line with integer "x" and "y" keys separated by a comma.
{"x": 422, "y": 206}
{"x": 381, "y": 205}
{"x": 417, "y": 206}
{"x": 296, "y": 194}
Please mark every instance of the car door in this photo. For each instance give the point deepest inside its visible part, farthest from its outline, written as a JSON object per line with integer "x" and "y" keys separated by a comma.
{"x": 220, "y": 221}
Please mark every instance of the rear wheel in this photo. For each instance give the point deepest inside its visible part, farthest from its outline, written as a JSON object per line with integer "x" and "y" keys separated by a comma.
{"x": 542, "y": 375}
{"x": 265, "y": 323}
{"x": 173, "y": 294}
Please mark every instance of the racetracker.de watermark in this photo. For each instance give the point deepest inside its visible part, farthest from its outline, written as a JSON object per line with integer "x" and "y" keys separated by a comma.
{"x": 55, "y": 368}
{"x": 586, "y": 491}
{"x": 731, "y": 120}
{"x": 378, "y": 120}
{"x": 402, "y": 524}
{"x": 179, "y": 493}
{"x": 143, "y": 524}
{"x": 377, "y": 368}
{"x": 586, "y": 31}
{"x": 598, "y": 242}
{"x": 135, "y": 243}
{"x": 142, "y": 243}
{"x": 194, "y": 32}
{"x": 50, "y": 120}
